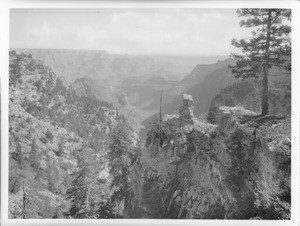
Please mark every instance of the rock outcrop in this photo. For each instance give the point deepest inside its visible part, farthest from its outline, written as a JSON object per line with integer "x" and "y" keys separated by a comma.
{"x": 187, "y": 109}
{"x": 236, "y": 169}
{"x": 248, "y": 93}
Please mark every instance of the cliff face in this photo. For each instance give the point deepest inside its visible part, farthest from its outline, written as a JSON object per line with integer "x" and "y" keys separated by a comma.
{"x": 203, "y": 93}
{"x": 202, "y": 72}
{"x": 236, "y": 169}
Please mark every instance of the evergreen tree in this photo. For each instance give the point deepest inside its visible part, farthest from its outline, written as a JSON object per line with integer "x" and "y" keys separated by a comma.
{"x": 78, "y": 192}
{"x": 269, "y": 46}
{"x": 15, "y": 66}
{"x": 105, "y": 211}
{"x": 121, "y": 156}
{"x": 89, "y": 195}
{"x": 52, "y": 173}
{"x": 33, "y": 155}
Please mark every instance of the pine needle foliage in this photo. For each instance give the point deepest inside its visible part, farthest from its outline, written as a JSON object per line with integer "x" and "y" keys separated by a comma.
{"x": 269, "y": 46}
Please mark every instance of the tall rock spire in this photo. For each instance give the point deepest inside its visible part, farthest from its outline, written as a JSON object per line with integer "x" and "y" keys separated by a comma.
{"x": 187, "y": 110}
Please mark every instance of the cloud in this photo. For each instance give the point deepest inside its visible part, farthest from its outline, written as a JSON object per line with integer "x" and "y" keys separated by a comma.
{"x": 46, "y": 30}
{"x": 129, "y": 31}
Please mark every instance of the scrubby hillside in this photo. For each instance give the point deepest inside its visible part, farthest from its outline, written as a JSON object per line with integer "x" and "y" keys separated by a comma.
{"x": 56, "y": 135}
{"x": 238, "y": 168}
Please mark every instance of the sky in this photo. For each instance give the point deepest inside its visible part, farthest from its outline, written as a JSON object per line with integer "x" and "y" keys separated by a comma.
{"x": 128, "y": 31}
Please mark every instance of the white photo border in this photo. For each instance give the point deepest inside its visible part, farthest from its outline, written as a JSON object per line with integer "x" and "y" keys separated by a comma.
{"x": 6, "y": 5}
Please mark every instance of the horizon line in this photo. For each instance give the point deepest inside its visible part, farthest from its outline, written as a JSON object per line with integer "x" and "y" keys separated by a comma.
{"x": 132, "y": 54}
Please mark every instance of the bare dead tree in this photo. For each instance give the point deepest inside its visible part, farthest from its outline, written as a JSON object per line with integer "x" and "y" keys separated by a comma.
{"x": 160, "y": 120}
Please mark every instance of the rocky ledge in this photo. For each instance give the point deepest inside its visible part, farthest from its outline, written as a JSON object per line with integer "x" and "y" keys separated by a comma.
{"x": 238, "y": 168}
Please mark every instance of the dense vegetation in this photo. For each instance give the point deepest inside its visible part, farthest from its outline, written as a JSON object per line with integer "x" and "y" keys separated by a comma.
{"x": 217, "y": 171}
{"x": 74, "y": 156}
{"x": 59, "y": 144}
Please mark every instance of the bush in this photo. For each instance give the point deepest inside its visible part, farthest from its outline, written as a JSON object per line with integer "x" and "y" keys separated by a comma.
{"x": 38, "y": 84}
{"x": 14, "y": 184}
{"x": 28, "y": 120}
{"x": 49, "y": 135}
{"x": 105, "y": 211}
{"x": 44, "y": 140}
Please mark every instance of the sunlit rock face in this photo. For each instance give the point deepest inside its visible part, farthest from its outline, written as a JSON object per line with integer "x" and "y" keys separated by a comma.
{"x": 187, "y": 109}
{"x": 238, "y": 168}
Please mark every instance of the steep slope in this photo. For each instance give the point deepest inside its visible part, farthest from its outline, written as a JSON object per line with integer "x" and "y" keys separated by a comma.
{"x": 138, "y": 79}
{"x": 239, "y": 168}
{"x": 198, "y": 75}
{"x": 73, "y": 64}
{"x": 205, "y": 91}
{"x": 50, "y": 129}
{"x": 99, "y": 65}
{"x": 202, "y": 92}
{"x": 111, "y": 68}
{"x": 82, "y": 87}
{"x": 143, "y": 93}
{"x": 200, "y": 72}
{"x": 90, "y": 87}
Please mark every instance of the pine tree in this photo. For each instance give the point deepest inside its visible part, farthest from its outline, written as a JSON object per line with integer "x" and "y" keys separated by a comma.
{"x": 15, "y": 66}
{"x": 121, "y": 155}
{"x": 269, "y": 46}
{"x": 52, "y": 173}
{"x": 77, "y": 194}
{"x": 87, "y": 194}
{"x": 33, "y": 155}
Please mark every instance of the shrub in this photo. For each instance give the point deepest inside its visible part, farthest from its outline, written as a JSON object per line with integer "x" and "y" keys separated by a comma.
{"x": 49, "y": 135}
{"x": 14, "y": 184}
{"x": 38, "y": 84}
{"x": 44, "y": 140}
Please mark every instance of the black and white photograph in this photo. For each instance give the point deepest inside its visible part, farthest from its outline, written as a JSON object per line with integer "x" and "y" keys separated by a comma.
{"x": 150, "y": 113}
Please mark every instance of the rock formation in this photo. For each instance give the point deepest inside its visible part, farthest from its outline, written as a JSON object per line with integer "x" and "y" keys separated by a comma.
{"x": 236, "y": 169}
{"x": 187, "y": 110}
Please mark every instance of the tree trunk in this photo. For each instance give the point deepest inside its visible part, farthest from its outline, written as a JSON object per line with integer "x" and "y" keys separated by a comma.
{"x": 265, "y": 95}
{"x": 126, "y": 191}
{"x": 24, "y": 203}
{"x": 160, "y": 120}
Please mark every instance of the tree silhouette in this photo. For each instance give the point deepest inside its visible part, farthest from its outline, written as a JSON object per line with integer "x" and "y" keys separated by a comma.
{"x": 269, "y": 46}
